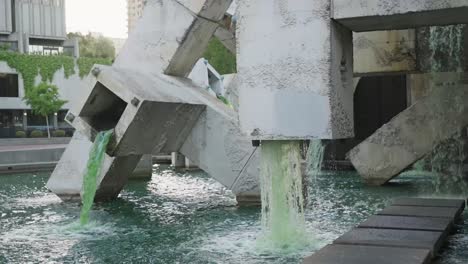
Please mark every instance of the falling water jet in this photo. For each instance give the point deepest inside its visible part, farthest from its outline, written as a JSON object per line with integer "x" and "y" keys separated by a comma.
{"x": 283, "y": 222}
{"x": 447, "y": 158}
{"x": 93, "y": 169}
{"x": 315, "y": 154}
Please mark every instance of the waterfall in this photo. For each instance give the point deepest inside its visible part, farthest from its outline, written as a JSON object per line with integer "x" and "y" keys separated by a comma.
{"x": 315, "y": 156}
{"x": 314, "y": 163}
{"x": 93, "y": 169}
{"x": 447, "y": 158}
{"x": 283, "y": 222}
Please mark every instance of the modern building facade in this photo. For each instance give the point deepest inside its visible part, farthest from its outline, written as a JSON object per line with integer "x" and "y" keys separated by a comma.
{"x": 32, "y": 27}
{"x": 135, "y": 10}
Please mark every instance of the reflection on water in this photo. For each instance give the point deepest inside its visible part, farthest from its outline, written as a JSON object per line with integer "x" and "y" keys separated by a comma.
{"x": 182, "y": 218}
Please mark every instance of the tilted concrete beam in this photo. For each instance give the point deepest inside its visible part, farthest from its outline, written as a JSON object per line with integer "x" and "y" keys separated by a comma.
{"x": 145, "y": 110}
{"x": 66, "y": 180}
{"x": 414, "y": 132}
{"x": 171, "y": 35}
{"x": 371, "y": 15}
{"x": 227, "y": 38}
{"x": 217, "y": 146}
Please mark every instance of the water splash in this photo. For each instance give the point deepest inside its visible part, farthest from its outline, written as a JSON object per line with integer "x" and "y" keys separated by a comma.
{"x": 93, "y": 169}
{"x": 283, "y": 221}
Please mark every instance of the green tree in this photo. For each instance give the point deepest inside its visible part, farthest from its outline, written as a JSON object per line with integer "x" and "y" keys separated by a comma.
{"x": 44, "y": 100}
{"x": 94, "y": 47}
{"x": 220, "y": 57}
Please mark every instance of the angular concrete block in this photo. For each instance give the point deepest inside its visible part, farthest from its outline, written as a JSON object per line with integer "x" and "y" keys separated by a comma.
{"x": 144, "y": 168}
{"x": 146, "y": 111}
{"x": 415, "y": 131}
{"x": 355, "y": 254}
{"x": 393, "y": 238}
{"x": 457, "y": 203}
{"x": 295, "y": 71}
{"x": 67, "y": 179}
{"x": 208, "y": 9}
{"x": 171, "y": 35}
{"x": 384, "y": 52}
{"x": 426, "y": 211}
{"x": 218, "y": 147}
{"x": 227, "y": 38}
{"x": 408, "y": 223}
{"x": 367, "y": 15}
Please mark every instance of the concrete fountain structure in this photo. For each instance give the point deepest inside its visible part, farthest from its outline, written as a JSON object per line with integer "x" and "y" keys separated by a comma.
{"x": 152, "y": 107}
{"x": 295, "y": 82}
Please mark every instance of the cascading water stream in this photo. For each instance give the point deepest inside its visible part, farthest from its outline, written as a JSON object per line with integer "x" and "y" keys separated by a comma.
{"x": 93, "y": 169}
{"x": 283, "y": 221}
{"x": 314, "y": 163}
{"x": 447, "y": 158}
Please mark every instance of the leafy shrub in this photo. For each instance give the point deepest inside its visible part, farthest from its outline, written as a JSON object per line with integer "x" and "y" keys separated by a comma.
{"x": 36, "y": 134}
{"x": 59, "y": 133}
{"x": 20, "y": 134}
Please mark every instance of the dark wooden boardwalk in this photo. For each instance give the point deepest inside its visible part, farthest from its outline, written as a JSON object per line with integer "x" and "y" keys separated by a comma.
{"x": 410, "y": 231}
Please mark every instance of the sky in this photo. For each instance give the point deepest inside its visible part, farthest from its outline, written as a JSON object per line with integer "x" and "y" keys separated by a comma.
{"x": 108, "y": 17}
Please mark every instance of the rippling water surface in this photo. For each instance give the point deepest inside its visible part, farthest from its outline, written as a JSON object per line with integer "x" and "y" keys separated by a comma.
{"x": 183, "y": 218}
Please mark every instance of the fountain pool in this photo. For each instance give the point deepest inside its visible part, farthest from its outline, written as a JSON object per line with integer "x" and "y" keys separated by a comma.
{"x": 183, "y": 218}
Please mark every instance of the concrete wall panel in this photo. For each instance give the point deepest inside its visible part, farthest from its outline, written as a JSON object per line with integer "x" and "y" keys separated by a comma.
{"x": 385, "y": 52}
{"x": 369, "y": 15}
{"x": 5, "y": 17}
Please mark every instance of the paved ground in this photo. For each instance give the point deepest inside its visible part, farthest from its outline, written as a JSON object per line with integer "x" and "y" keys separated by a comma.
{"x": 31, "y": 147}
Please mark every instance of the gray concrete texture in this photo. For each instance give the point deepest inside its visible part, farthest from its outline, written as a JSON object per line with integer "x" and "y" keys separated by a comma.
{"x": 430, "y": 202}
{"x": 67, "y": 178}
{"x": 410, "y": 234}
{"x": 153, "y": 112}
{"x": 431, "y": 240}
{"x": 408, "y": 223}
{"x": 366, "y": 15}
{"x": 302, "y": 86}
{"x": 414, "y": 132}
{"x": 171, "y": 44}
{"x": 359, "y": 254}
{"x": 426, "y": 211}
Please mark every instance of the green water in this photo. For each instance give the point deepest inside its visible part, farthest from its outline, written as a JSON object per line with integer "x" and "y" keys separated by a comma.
{"x": 93, "y": 169}
{"x": 184, "y": 218}
{"x": 283, "y": 222}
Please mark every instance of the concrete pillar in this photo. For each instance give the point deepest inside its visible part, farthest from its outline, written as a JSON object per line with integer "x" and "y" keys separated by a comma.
{"x": 295, "y": 72}
{"x": 177, "y": 160}
{"x": 144, "y": 169}
{"x": 414, "y": 132}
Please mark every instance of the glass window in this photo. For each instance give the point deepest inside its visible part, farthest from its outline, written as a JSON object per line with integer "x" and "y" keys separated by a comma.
{"x": 9, "y": 85}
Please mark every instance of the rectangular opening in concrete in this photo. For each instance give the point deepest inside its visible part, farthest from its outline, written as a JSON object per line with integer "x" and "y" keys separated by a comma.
{"x": 9, "y": 85}
{"x": 103, "y": 109}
